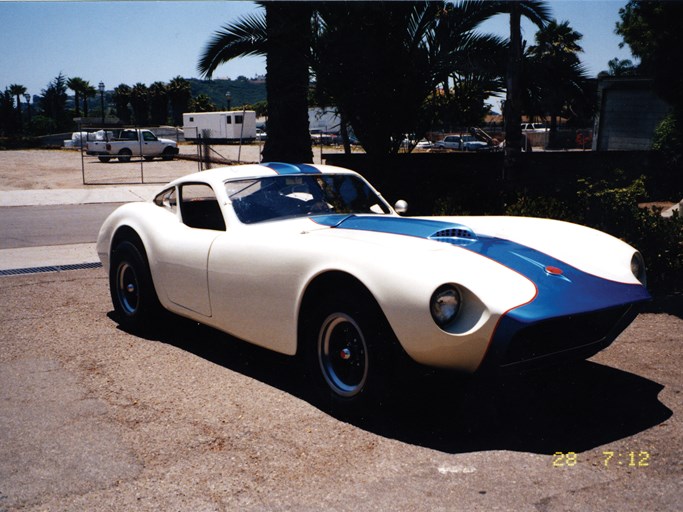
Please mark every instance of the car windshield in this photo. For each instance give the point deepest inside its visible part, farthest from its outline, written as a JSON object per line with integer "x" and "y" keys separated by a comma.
{"x": 275, "y": 197}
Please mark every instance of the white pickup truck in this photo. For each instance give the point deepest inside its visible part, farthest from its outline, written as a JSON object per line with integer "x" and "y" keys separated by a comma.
{"x": 132, "y": 142}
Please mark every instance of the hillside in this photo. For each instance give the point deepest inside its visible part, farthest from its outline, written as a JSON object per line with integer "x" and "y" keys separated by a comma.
{"x": 242, "y": 90}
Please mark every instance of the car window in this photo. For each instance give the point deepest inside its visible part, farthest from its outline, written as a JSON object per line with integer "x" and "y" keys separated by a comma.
{"x": 199, "y": 207}
{"x": 148, "y": 136}
{"x": 262, "y": 199}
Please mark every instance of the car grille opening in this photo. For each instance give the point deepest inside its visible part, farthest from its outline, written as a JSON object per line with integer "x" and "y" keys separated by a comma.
{"x": 562, "y": 334}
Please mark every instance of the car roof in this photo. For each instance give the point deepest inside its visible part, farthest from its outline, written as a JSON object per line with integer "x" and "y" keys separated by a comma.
{"x": 219, "y": 175}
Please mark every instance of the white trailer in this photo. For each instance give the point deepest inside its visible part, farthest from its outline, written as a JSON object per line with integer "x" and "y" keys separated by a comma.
{"x": 220, "y": 127}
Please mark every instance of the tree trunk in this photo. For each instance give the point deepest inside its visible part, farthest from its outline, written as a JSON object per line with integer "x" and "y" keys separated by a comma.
{"x": 513, "y": 111}
{"x": 289, "y": 32}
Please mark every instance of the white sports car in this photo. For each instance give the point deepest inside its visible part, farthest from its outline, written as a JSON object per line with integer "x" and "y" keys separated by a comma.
{"x": 310, "y": 260}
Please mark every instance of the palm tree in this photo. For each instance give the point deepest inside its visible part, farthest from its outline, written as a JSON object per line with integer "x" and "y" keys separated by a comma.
{"x": 179, "y": 93}
{"x": 18, "y": 91}
{"x": 538, "y": 12}
{"x": 158, "y": 102}
{"x": 385, "y": 67}
{"x": 560, "y": 73}
{"x": 121, "y": 99}
{"x": 283, "y": 35}
{"x": 88, "y": 91}
{"x": 139, "y": 100}
{"x": 77, "y": 85}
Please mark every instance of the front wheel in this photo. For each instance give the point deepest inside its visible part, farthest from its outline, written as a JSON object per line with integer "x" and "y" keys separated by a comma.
{"x": 132, "y": 289}
{"x": 167, "y": 154}
{"x": 349, "y": 354}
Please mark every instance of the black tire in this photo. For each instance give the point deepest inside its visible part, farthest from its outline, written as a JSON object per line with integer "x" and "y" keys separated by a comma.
{"x": 349, "y": 354}
{"x": 149, "y": 158}
{"x": 124, "y": 155}
{"x": 104, "y": 159}
{"x": 132, "y": 289}
{"x": 167, "y": 154}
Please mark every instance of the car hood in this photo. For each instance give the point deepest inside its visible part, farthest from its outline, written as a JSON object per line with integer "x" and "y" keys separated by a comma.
{"x": 569, "y": 287}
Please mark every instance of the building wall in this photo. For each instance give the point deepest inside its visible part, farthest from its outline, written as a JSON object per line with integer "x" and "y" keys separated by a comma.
{"x": 629, "y": 114}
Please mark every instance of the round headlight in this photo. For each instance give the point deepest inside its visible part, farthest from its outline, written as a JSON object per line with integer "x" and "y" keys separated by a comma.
{"x": 445, "y": 304}
{"x": 638, "y": 268}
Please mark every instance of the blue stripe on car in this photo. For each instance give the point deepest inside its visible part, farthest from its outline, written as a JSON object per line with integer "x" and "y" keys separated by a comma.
{"x": 571, "y": 292}
{"x": 284, "y": 169}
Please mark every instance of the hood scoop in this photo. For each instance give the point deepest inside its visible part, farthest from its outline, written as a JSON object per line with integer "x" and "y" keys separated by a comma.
{"x": 457, "y": 234}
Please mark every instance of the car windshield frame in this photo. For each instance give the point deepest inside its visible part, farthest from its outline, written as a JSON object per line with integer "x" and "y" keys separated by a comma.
{"x": 269, "y": 198}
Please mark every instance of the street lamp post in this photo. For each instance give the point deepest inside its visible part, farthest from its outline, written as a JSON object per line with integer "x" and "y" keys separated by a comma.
{"x": 101, "y": 88}
{"x": 228, "y": 98}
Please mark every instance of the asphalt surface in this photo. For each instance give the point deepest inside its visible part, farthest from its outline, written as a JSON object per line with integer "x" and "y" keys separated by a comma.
{"x": 187, "y": 418}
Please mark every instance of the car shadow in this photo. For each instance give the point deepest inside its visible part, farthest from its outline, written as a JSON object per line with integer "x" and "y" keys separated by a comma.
{"x": 573, "y": 408}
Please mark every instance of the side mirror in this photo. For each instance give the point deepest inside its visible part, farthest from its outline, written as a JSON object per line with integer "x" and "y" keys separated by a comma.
{"x": 401, "y": 207}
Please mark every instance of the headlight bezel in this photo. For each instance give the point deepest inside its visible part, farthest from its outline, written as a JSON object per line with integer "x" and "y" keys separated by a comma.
{"x": 445, "y": 305}
{"x": 638, "y": 268}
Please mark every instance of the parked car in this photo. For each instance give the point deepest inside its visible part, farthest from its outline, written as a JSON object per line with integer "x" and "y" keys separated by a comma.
{"x": 533, "y": 127}
{"x": 132, "y": 142}
{"x": 461, "y": 143}
{"x": 311, "y": 261}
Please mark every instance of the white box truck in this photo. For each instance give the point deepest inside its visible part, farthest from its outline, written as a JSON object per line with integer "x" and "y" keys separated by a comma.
{"x": 220, "y": 127}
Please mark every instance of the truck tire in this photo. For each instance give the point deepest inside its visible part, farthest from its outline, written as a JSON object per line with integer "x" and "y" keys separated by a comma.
{"x": 167, "y": 154}
{"x": 124, "y": 155}
{"x": 104, "y": 159}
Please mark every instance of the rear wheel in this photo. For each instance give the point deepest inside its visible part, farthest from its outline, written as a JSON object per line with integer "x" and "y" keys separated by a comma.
{"x": 124, "y": 155}
{"x": 132, "y": 289}
{"x": 104, "y": 159}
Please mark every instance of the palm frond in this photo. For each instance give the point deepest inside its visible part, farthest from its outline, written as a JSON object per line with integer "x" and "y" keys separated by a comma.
{"x": 246, "y": 37}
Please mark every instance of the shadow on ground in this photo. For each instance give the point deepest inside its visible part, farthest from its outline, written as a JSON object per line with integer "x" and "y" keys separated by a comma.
{"x": 573, "y": 408}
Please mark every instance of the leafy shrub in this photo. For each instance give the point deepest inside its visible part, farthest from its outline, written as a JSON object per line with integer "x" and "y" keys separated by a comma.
{"x": 615, "y": 210}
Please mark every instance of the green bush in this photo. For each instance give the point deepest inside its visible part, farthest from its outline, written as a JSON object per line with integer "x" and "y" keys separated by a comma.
{"x": 615, "y": 210}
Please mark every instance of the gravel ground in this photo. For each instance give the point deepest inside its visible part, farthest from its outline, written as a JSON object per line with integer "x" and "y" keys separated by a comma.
{"x": 94, "y": 418}
{"x": 55, "y": 168}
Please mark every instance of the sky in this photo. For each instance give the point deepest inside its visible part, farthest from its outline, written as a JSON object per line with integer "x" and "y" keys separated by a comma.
{"x": 146, "y": 41}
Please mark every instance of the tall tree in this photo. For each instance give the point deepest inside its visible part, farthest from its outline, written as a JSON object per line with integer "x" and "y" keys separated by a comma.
{"x": 179, "y": 94}
{"x": 158, "y": 103}
{"x": 18, "y": 90}
{"x": 538, "y": 13}
{"x": 53, "y": 102}
{"x": 652, "y": 30}
{"x": 77, "y": 85}
{"x": 287, "y": 81}
{"x": 88, "y": 92}
{"x": 283, "y": 35}
{"x": 121, "y": 99}
{"x": 618, "y": 68}
{"x": 557, "y": 70}
{"x": 139, "y": 101}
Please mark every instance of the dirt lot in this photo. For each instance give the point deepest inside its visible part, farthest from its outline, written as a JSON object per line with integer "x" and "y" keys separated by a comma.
{"x": 94, "y": 418}
{"x": 62, "y": 168}
{"x": 54, "y": 169}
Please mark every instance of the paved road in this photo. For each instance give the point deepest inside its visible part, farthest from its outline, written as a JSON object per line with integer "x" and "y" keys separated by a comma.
{"x": 35, "y": 226}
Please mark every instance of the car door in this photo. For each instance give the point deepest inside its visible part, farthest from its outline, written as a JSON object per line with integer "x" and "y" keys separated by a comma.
{"x": 150, "y": 144}
{"x": 184, "y": 253}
